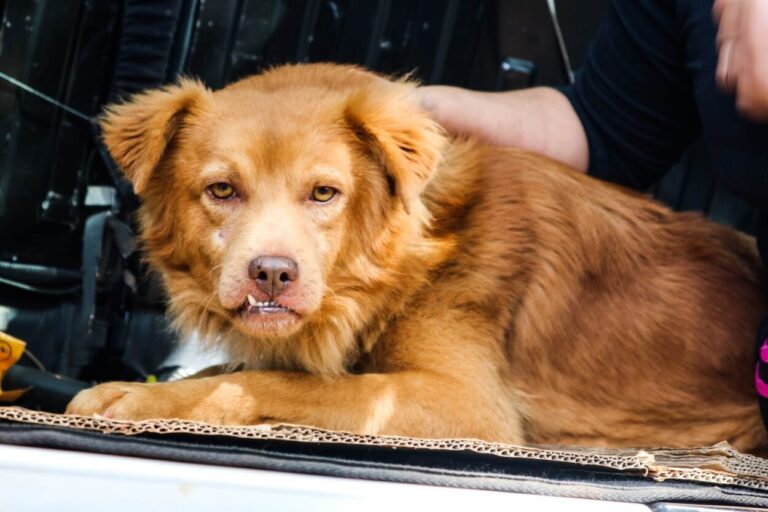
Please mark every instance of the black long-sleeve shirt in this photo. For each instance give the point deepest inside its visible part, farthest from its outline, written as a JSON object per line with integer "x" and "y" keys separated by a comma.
{"x": 647, "y": 91}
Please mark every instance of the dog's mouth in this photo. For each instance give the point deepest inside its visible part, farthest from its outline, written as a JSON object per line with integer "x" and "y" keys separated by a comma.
{"x": 251, "y": 306}
{"x": 267, "y": 318}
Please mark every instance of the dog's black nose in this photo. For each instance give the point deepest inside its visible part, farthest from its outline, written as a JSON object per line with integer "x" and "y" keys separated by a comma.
{"x": 273, "y": 274}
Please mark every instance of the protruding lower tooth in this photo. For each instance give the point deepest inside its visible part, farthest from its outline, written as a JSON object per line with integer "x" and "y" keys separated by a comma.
{"x": 252, "y": 300}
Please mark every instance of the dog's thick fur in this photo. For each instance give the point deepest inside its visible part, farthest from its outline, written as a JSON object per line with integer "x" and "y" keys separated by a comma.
{"x": 451, "y": 289}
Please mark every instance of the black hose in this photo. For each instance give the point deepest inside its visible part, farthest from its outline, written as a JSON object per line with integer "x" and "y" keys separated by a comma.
{"x": 46, "y": 391}
{"x": 37, "y": 274}
{"x": 69, "y": 290}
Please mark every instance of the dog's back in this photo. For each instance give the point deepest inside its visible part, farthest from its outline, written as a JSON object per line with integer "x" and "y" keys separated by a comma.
{"x": 626, "y": 323}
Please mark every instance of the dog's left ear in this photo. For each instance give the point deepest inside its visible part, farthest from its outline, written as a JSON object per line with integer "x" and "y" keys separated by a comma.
{"x": 137, "y": 133}
{"x": 408, "y": 143}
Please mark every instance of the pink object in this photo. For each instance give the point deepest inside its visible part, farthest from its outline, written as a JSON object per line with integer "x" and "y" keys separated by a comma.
{"x": 760, "y": 385}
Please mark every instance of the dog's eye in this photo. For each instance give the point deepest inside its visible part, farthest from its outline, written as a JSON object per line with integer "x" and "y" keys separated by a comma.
{"x": 323, "y": 194}
{"x": 222, "y": 190}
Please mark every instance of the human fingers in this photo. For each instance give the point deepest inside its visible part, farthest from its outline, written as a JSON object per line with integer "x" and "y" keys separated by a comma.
{"x": 724, "y": 72}
{"x": 729, "y": 19}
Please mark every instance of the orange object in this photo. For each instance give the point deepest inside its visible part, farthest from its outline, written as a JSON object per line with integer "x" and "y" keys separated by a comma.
{"x": 11, "y": 350}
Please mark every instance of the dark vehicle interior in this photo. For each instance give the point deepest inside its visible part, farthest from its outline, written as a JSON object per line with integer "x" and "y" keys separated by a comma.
{"x": 72, "y": 282}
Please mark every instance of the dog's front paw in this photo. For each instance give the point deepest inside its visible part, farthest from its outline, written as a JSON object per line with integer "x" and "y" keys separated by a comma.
{"x": 123, "y": 400}
{"x": 221, "y": 400}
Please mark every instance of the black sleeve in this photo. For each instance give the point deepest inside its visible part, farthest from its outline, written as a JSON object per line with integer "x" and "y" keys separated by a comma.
{"x": 634, "y": 94}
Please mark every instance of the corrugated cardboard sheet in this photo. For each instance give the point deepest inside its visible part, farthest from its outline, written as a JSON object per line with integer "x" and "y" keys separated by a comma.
{"x": 720, "y": 464}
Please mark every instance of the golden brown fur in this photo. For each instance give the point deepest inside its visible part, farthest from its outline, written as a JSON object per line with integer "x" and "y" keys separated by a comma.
{"x": 452, "y": 290}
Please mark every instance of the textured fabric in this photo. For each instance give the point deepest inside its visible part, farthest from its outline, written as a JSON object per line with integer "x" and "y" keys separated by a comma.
{"x": 145, "y": 46}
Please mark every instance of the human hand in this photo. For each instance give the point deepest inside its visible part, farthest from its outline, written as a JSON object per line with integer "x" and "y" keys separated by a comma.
{"x": 742, "y": 63}
{"x": 452, "y": 107}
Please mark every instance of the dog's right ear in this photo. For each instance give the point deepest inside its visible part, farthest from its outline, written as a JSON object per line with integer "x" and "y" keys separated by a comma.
{"x": 388, "y": 119}
{"x": 137, "y": 133}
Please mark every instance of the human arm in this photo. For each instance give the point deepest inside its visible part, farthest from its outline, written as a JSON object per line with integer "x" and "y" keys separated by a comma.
{"x": 540, "y": 119}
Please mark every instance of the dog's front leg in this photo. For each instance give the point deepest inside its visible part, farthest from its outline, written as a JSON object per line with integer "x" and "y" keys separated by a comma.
{"x": 414, "y": 403}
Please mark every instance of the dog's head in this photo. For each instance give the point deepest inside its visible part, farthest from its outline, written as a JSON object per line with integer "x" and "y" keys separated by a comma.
{"x": 283, "y": 211}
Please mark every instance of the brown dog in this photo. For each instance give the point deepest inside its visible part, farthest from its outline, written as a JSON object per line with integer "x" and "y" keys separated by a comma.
{"x": 375, "y": 277}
